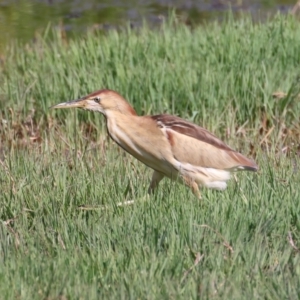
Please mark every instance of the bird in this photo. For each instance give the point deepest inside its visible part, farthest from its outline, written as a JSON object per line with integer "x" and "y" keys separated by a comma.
{"x": 171, "y": 146}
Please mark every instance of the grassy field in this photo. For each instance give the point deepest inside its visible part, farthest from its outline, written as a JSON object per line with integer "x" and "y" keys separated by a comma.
{"x": 239, "y": 244}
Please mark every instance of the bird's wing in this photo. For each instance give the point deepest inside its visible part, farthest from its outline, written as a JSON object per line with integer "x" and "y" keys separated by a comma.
{"x": 197, "y": 146}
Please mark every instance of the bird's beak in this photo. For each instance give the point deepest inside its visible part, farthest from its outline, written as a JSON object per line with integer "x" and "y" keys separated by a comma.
{"x": 79, "y": 103}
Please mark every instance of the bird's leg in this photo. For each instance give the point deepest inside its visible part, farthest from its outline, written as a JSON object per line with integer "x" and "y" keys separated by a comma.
{"x": 156, "y": 178}
{"x": 192, "y": 185}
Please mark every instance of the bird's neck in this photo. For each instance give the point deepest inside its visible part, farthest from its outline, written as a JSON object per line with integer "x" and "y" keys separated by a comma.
{"x": 118, "y": 125}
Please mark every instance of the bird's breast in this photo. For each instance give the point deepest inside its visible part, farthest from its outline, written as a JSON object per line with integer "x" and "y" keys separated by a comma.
{"x": 143, "y": 140}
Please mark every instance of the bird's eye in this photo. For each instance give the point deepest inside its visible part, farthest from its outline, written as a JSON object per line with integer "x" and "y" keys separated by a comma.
{"x": 97, "y": 99}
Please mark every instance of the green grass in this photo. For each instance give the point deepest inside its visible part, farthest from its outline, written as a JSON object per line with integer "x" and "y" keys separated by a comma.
{"x": 219, "y": 76}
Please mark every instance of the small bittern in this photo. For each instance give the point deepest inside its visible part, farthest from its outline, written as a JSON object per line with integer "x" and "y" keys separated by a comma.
{"x": 169, "y": 145}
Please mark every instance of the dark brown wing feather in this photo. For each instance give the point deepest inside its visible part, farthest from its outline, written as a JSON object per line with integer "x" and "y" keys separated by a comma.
{"x": 187, "y": 128}
{"x": 182, "y": 126}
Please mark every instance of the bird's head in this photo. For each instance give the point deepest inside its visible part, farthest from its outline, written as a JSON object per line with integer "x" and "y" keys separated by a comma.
{"x": 103, "y": 101}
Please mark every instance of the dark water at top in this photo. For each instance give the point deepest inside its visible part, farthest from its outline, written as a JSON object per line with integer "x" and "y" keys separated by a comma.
{"x": 20, "y": 19}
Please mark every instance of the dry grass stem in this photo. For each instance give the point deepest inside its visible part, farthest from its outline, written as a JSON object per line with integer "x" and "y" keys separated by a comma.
{"x": 198, "y": 258}
{"x": 267, "y": 134}
{"x": 291, "y": 241}
{"x": 8, "y": 173}
{"x": 225, "y": 243}
{"x": 104, "y": 207}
